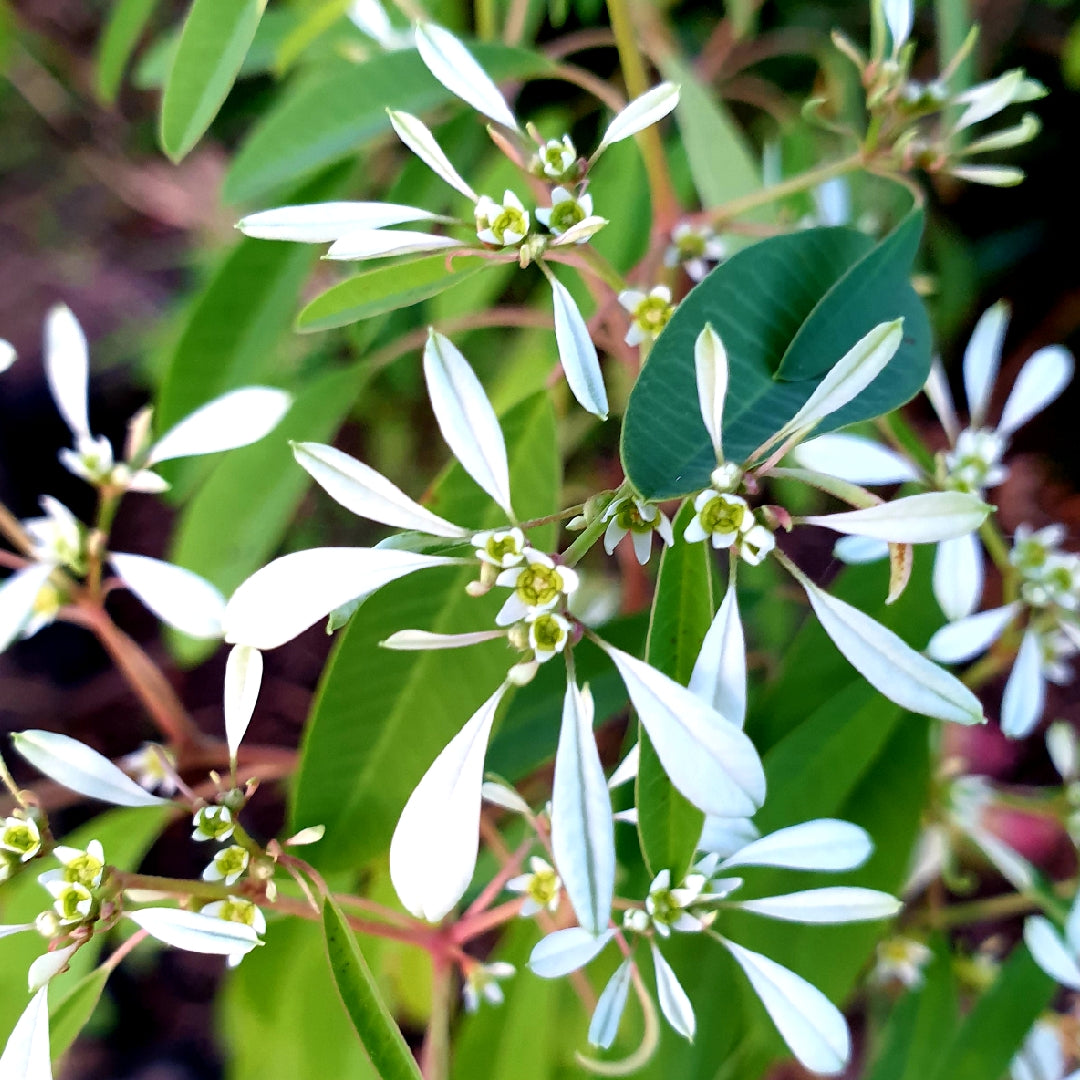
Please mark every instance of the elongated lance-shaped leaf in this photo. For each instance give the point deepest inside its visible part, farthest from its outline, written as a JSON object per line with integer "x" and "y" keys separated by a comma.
{"x": 577, "y": 353}
{"x": 195, "y": 932}
{"x": 855, "y": 459}
{"x": 18, "y": 595}
{"x": 982, "y": 359}
{"x": 967, "y": 638}
{"x": 67, "y": 368}
{"x": 243, "y": 678}
{"x": 582, "y": 827}
{"x": 610, "y": 1007}
{"x": 641, "y": 113}
{"x": 1042, "y": 378}
{"x": 382, "y": 243}
{"x": 719, "y": 676}
{"x": 323, "y": 223}
{"x": 433, "y": 850}
{"x": 466, "y": 419}
{"x": 913, "y": 519}
{"x": 415, "y": 135}
{"x": 1008, "y": 138}
{"x": 367, "y": 493}
{"x": 454, "y": 66}
{"x": 421, "y": 640}
{"x": 388, "y": 1051}
{"x": 1025, "y": 692}
{"x": 888, "y": 663}
{"x": 26, "y": 1055}
{"x": 711, "y": 368}
{"x": 958, "y": 575}
{"x": 566, "y": 950}
{"x": 81, "y": 769}
{"x": 177, "y": 596}
{"x": 824, "y": 844}
{"x": 674, "y": 1002}
{"x": 835, "y": 904}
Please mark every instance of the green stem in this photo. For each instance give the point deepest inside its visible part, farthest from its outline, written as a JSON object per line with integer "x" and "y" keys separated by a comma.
{"x": 107, "y": 507}
{"x": 486, "y": 27}
{"x": 435, "y": 1057}
{"x": 592, "y": 531}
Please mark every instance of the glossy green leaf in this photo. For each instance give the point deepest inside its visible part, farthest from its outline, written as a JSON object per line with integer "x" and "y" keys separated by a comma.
{"x": 73, "y": 1011}
{"x": 386, "y": 288}
{"x": 213, "y": 44}
{"x": 388, "y": 1051}
{"x": 797, "y": 303}
{"x": 669, "y": 826}
{"x": 329, "y": 116}
{"x": 126, "y": 23}
{"x": 360, "y": 760}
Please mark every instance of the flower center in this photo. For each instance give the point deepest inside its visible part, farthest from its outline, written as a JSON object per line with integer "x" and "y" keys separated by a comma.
{"x": 509, "y": 220}
{"x": 653, "y": 314}
{"x": 83, "y": 870}
{"x": 544, "y": 887}
{"x": 565, "y": 215}
{"x": 548, "y": 633}
{"x": 538, "y": 585}
{"x": 724, "y": 514}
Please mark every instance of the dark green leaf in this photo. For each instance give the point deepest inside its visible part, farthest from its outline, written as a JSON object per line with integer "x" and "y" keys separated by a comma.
{"x": 759, "y": 302}
{"x": 213, "y": 44}
{"x": 125, "y": 26}
{"x": 386, "y": 288}
{"x": 330, "y": 116}
{"x": 669, "y": 826}
{"x": 392, "y": 1058}
{"x": 71, "y": 1014}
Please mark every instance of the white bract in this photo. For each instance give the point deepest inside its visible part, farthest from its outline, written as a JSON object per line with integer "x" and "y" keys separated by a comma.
{"x": 1042, "y": 1056}
{"x": 26, "y": 1055}
{"x": 1056, "y": 951}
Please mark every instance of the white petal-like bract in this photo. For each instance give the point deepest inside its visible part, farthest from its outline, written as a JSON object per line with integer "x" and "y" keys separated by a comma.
{"x": 235, "y": 419}
{"x": 577, "y": 353}
{"x": 855, "y": 459}
{"x": 711, "y": 369}
{"x": 293, "y": 592}
{"x": 433, "y": 850}
{"x": 823, "y": 844}
{"x": 1050, "y": 953}
{"x": 323, "y": 223}
{"x": 982, "y": 359}
{"x": 381, "y": 243}
{"x": 726, "y": 836}
{"x": 566, "y": 950}
{"x": 582, "y": 827}
{"x": 26, "y": 1054}
{"x": 706, "y": 756}
{"x": 67, "y": 368}
{"x": 674, "y": 1003}
{"x": 610, "y": 1006}
{"x": 719, "y": 675}
{"x": 466, "y": 419}
{"x": 18, "y": 594}
{"x": 856, "y": 550}
{"x": 368, "y": 493}
{"x": 1025, "y": 692}
{"x": 176, "y": 596}
{"x": 243, "y": 677}
{"x": 641, "y": 113}
{"x": 1042, "y": 378}
{"x": 195, "y": 932}
{"x": 967, "y": 638}
{"x": 898, "y": 16}
{"x": 914, "y": 519}
{"x": 813, "y": 1028}
{"x": 47, "y": 966}
{"x": 416, "y": 136}
{"x": 8, "y": 355}
{"x": 455, "y": 67}
{"x": 836, "y": 904}
{"x": 958, "y": 575}
{"x": 76, "y": 766}
{"x": 420, "y": 640}
{"x": 890, "y": 665}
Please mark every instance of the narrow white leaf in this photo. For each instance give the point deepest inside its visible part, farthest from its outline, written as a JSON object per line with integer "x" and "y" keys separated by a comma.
{"x": 610, "y": 1007}
{"x": 1050, "y": 953}
{"x": 456, "y": 68}
{"x": 235, "y": 419}
{"x": 849, "y": 376}
{"x": 466, "y": 419}
{"x": 823, "y": 844}
{"x": 837, "y": 904}
{"x": 855, "y": 459}
{"x": 195, "y": 932}
{"x": 890, "y": 665}
{"x": 813, "y": 1028}
{"x": 958, "y": 575}
{"x": 1062, "y": 747}
{"x": 26, "y": 1055}
{"x": 1041, "y": 380}
{"x": 1007, "y": 138}
{"x": 674, "y": 1003}
{"x": 382, "y": 243}
{"x": 419, "y": 640}
{"x": 8, "y": 355}
{"x": 67, "y": 369}
{"x": 18, "y": 595}
{"x": 705, "y": 755}
{"x": 323, "y": 223}
{"x": 243, "y": 677}
{"x": 937, "y": 391}
{"x": 898, "y": 15}
{"x": 988, "y": 98}
{"x": 292, "y": 593}
{"x": 726, "y": 836}
{"x": 1072, "y": 925}
{"x": 912, "y": 519}
{"x": 982, "y": 359}
{"x": 369, "y": 16}
{"x": 641, "y": 113}
{"x": 856, "y": 550}
{"x": 1014, "y": 868}
{"x": 177, "y": 596}
{"x": 627, "y": 769}
{"x": 992, "y": 175}
{"x": 416, "y": 136}
{"x": 577, "y": 353}
{"x": 16, "y": 928}
{"x": 433, "y": 850}
{"x": 719, "y": 675}
{"x": 711, "y": 368}
{"x": 968, "y": 638}
{"x": 1041, "y": 1057}
{"x": 365, "y": 492}
{"x": 500, "y": 795}
{"x": 566, "y": 950}
{"x": 1025, "y": 692}
{"x": 47, "y": 966}
{"x": 81, "y": 769}
{"x": 582, "y": 829}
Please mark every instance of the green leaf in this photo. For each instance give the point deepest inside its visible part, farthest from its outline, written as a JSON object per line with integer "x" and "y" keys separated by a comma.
{"x": 330, "y": 116}
{"x": 125, "y": 835}
{"x": 382, "y": 1040}
{"x": 213, "y": 44}
{"x": 125, "y": 26}
{"x": 358, "y": 766}
{"x": 669, "y": 826}
{"x": 984, "y": 1044}
{"x": 72, "y": 1013}
{"x": 792, "y": 303}
{"x": 386, "y": 288}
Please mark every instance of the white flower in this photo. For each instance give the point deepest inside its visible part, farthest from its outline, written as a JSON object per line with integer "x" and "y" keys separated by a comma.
{"x": 694, "y": 248}
{"x": 503, "y": 224}
{"x": 482, "y": 984}
{"x": 72, "y": 901}
{"x": 542, "y": 887}
{"x": 213, "y": 823}
{"x": 649, "y": 312}
{"x": 640, "y": 519}
{"x": 501, "y": 548}
{"x": 901, "y": 959}
{"x": 548, "y": 634}
{"x": 58, "y": 536}
{"x": 228, "y": 865}
{"x": 20, "y": 836}
{"x": 566, "y": 212}
{"x": 557, "y": 159}
{"x": 539, "y": 585}
{"x": 78, "y": 867}
{"x": 152, "y": 767}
